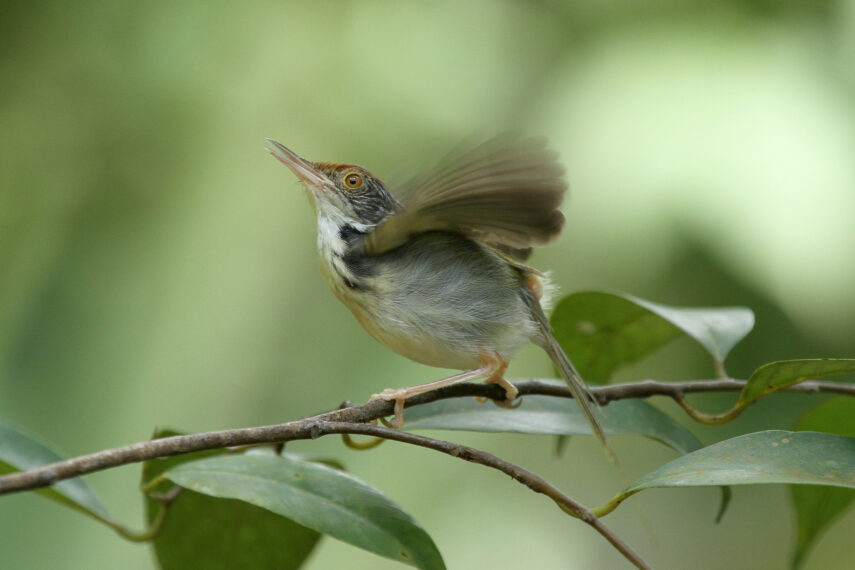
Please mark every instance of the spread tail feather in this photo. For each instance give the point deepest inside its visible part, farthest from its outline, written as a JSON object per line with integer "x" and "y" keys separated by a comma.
{"x": 578, "y": 389}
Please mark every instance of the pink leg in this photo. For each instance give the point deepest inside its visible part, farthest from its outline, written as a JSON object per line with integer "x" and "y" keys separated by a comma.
{"x": 498, "y": 377}
{"x": 491, "y": 367}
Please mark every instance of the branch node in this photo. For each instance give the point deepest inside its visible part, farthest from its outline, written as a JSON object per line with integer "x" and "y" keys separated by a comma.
{"x": 315, "y": 429}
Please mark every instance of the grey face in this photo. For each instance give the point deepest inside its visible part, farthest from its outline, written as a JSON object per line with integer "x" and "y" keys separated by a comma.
{"x": 344, "y": 191}
{"x": 361, "y": 195}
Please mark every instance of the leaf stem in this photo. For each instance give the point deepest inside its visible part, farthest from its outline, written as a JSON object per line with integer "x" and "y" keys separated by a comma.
{"x": 709, "y": 419}
{"x": 351, "y": 443}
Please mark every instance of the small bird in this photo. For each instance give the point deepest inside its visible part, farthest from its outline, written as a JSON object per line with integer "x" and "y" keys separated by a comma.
{"x": 433, "y": 269}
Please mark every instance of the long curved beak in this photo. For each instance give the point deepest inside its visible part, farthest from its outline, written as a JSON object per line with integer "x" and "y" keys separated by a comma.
{"x": 304, "y": 169}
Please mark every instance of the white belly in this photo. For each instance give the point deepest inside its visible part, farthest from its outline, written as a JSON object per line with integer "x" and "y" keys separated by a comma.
{"x": 441, "y": 317}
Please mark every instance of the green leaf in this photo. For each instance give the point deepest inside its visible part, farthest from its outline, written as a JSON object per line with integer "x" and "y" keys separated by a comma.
{"x": 716, "y": 329}
{"x": 546, "y": 415}
{"x": 807, "y": 458}
{"x": 774, "y": 376}
{"x": 602, "y": 332}
{"x": 19, "y": 452}
{"x": 201, "y": 531}
{"x": 318, "y": 497}
{"x": 205, "y": 532}
{"x": 816, "y": 507}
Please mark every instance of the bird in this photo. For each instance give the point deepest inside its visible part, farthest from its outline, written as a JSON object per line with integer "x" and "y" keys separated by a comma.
{"x": 433, "y": 267}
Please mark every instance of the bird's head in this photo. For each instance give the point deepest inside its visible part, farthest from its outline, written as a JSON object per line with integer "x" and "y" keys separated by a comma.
{"x": 346, "y": 193}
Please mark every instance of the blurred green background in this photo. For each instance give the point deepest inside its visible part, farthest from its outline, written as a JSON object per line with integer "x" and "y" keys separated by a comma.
{"x": 157, "y": 267}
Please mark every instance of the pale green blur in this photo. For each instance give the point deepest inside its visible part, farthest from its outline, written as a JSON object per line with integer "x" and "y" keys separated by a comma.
{"x": 157, "y": 267}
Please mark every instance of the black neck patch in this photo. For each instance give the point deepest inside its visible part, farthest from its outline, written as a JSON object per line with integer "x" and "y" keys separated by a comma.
{"x": 349, "y": 234}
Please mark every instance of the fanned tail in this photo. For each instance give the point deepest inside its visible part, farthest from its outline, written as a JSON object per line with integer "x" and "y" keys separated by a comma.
{"x": 578, "y": 389}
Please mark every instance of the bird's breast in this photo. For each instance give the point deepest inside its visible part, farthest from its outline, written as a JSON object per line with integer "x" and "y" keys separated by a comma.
{"x": 440, "y": 299}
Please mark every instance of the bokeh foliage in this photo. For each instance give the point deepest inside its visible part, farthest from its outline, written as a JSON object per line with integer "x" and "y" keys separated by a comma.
{"x": 156, "y": 266}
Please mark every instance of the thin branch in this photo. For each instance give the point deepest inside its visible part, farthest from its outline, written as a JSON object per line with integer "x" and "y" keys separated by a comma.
{"x": 309, "y": 428}
{"x": 519, "y": 474}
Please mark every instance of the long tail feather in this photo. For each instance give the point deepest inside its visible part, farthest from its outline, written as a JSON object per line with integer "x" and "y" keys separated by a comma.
{"x": 578, "y": 389}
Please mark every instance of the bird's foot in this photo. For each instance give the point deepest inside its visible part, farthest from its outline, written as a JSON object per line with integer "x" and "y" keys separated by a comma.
{"x": 511, "y": 393}
{"x": 393, "y": 395}
{"x": 492, "y": 367}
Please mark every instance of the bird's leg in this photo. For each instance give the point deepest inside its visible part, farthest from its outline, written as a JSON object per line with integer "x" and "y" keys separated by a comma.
{"x": 491, "y": 365}
{"x": 534, "y": 284}
{"x": 498, "y": 377}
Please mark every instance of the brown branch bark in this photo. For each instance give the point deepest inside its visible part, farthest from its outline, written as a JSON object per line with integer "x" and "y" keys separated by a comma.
{"x": 310, "y": 428}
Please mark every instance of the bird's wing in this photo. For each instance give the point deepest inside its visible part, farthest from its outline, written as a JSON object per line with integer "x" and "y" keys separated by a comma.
{"x": 504, "y": 193}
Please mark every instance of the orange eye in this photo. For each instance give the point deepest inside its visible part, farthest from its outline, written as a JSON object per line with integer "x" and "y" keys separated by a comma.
{"x": 353, "y": 180}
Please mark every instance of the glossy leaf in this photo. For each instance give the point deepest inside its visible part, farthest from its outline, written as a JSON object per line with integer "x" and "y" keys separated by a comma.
{"x": 807, "y": 458}
{"x": 19, "y": 451}
{"x": 201, "y": 531}
{"x": 547, "y": 415}
{"x": 318, "y": 497}
{"x": 816, "y": 506}
{"x": 777, "y": 375}
{"x": 716, "y": 329}
{"x": 602, "y": 332}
